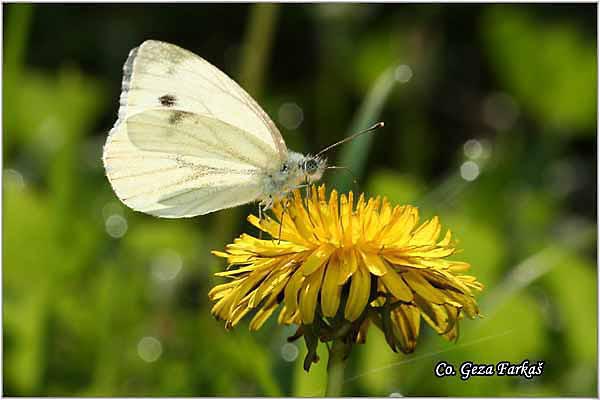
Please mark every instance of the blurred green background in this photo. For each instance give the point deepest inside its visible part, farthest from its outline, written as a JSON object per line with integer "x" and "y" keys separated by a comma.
{"x": 490, "y": 115}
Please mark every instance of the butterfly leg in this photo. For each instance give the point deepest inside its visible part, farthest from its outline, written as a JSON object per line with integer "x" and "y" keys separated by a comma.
{"x": 263, "y": 206}
{"x": 281, "y": 225}
{"x": 307, "y": 197}
{"x": 307, "y": 183}
{"x": 260, "y": 217}
{"x": 285, "y": 205}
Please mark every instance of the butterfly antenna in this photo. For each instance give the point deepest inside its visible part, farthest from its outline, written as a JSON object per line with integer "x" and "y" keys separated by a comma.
{"x": 348, "y": 170}
{"x": 352, "y": 137}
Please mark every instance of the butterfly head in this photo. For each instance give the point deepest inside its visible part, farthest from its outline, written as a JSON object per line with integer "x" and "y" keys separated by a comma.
{"x": 312, "y": 167}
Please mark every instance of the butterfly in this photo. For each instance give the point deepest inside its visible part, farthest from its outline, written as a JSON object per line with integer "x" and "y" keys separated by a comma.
{"x": 189, "y": 140}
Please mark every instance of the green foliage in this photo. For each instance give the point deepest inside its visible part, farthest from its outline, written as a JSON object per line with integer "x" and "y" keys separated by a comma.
{"x": 313, "y": 383}
{"x": 88, "y": 283}
{"x": 550, "y": 66}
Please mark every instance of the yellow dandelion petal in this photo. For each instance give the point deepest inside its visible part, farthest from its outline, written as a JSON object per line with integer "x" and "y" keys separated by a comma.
{"x": 238, "y": 313}
{"x": 471, "y": 281}
{"x": 370, "y": 217}
{"x": 426, "y": 233}
{"x": 237, "y": 271}
{"x": 469, "y": 306}
{"x": 270, "y": 306}
{"x": 459, "y": 267}
{"x": 249, "y": 283}
{"x": 385, "y": 213}
{"x": 428, "y": 251}
{"x": 400, "y": 229}
{"x": 360, "y": 211}
{"x": 292, "y": 289}
{"x": 348, "y": 262}
{"x": 314, "y": 211}
{"x": 221, "y": 254}
{"x": 330, "y": 293}
{"x": 346, "y": 218}
{"x": 222, "y": 290}
{"x": 374, "y": 263}
{"x": 262, "y": 315}
{"x": 443, "y": 279}
{"x": 287, "y": 316}
{"x": 407, "y": 321}
{"x": 361, "y": 336}
{"x": 218, "y": 309}
{"x": 334, "y": 219}
{"x": 317, "y": 259}
{"x": 272, "y": 284}
{"x": 396, "y": 259}
{"x": 396, "y": 286}
{"x": 387, "y": 221}
{"x": 288, "y": 233}
{"x": 308, "y": 295}
{"x": 301, "y": 220}
{"x": 446, "y": 240}
{"x": 332, "y": 263}
{"x": 440, "y": 317}
{"x": 452, "y": 334}
{"x": 284, "y": 315}
{"x": 420, "y": 285}
{"x": 358, "y": 297}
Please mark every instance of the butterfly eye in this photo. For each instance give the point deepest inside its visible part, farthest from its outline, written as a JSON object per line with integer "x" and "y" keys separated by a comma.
{"x": 284, "y": 168}
{"x": 310, "y": 166}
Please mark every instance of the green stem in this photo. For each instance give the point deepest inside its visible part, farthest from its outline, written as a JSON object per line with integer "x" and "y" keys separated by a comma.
{"x": 257, "y": 46}
{"x": 335, "y": 368}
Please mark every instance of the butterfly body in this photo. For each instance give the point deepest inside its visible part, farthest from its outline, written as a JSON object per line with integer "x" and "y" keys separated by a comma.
{"x": 189, "y": 141}
{"x": 296, "y": 171}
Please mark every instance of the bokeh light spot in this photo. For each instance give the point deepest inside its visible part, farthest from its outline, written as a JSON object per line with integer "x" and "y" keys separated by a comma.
{"x": 14, "y": 178}
{"x": 112, "y": 208}
{"x": 290, "y": 115}
{"x": 473, "y": 149}
{"x": 469, "y": 170}
{"x": 149, "y": 349}
{"x": 50, "y": 136}
{"x": 166, "y": 265}
{"x": 403, "y": 73}
{"x": 289, "y": 352}
{"x": 116, "y": 226}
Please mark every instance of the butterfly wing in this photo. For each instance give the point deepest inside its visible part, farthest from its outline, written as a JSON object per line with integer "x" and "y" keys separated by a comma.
{"x": 188, "y": 140}
{"x": 158, "y": 74}
{"x": 173, "y": 163}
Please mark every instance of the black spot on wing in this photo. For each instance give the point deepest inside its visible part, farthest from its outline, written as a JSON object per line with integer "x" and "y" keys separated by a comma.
{"x": 167, "y": 100}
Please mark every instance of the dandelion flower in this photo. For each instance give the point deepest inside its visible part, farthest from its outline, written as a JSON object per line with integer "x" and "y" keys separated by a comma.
{"x": 337, "y": 268}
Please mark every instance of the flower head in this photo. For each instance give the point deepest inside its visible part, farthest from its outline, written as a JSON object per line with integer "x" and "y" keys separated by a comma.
{"x": 338, "y": 267}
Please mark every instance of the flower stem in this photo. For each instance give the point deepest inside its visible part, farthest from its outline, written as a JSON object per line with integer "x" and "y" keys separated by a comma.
{"x": 335, "y": 368}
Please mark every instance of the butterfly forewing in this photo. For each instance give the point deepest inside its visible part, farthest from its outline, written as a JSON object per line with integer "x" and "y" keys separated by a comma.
{"x": 161, "y": 74}
{"x": 188, "y": 140}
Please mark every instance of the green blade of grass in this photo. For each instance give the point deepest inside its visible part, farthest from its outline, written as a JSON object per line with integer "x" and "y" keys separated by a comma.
{"x": 354, "y": 154}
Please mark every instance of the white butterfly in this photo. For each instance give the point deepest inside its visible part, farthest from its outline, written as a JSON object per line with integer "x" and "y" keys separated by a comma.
{"x": 189, "y": 140}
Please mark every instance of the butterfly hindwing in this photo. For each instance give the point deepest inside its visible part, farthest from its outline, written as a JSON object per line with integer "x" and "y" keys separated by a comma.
{"x": 176, "y": 182}
{"x": 208, "y": 139}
